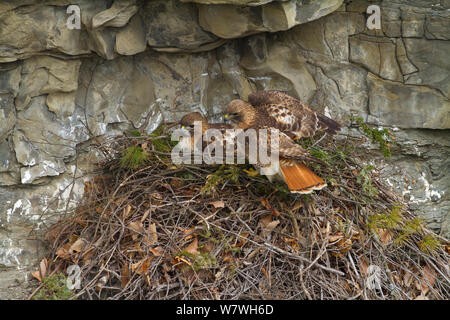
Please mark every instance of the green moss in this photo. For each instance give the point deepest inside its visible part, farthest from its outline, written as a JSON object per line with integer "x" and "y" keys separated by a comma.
{"x": 199, "y": 261}
{"x": 135, "y": 133}
{"x": 133, "y": 157}
{"x": 223, "y": 174}
{"x": 163, "y": 144}
{"x": 283, "y": 191}
{"x": 54, "y": 288}
{"x": 364, "y": 178}
{"x": 386, "y": 220}
{"x": 429, "y": 244}
{"x": 321, "y": 154}
{"x": 382, "y": 137}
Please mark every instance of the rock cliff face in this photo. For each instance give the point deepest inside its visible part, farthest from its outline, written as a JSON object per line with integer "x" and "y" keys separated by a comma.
{"x": 167, "y": 57}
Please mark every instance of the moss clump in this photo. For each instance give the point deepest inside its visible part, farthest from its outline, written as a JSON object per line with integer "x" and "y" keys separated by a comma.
{"x": 160, "y": 142}
{"x": 382, "y": 137}
{"x": 364, "y": 178}
{"x": 133, "y": 157}
{"x": 135, "y": 133}
{"x": 199, "y": 261}
{"x": 386, "y": 220}
{"x": 223, "y": 174}
{"x": 321, "y": 155}
{"x": 429, "y": 244}
{"x": 54, "y": 288}
{"x": 410, "y": 228}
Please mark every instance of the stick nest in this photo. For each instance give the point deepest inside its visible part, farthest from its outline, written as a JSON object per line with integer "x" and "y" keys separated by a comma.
{"x": 150, "y": 230}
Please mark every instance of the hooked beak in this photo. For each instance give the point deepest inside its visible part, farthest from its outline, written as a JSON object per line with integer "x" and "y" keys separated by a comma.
{"x": 230, "y": 117}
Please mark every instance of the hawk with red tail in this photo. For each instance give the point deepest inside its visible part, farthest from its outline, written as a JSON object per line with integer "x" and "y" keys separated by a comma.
{"x": 275, "y": 109}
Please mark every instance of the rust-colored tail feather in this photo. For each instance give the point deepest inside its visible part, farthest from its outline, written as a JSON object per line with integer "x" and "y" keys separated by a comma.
{"x": 300, "y": 179}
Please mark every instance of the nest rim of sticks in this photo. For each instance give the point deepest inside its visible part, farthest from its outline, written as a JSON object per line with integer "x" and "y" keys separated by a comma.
{"x": 155, "y": 231}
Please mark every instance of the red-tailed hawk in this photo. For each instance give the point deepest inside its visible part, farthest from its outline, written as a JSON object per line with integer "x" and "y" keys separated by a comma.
{"x": 289, "y": 167}
{"x": 276, "y": 109}
{"x": 188, "y": 122}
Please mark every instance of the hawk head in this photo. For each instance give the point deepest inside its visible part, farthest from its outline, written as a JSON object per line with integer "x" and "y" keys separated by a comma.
{"x": 189, "y": 120}
{"x": 240, "y": 113}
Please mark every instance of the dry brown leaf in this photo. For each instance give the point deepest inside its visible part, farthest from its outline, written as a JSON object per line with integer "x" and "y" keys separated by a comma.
{"x": 385, "y": 235}
{"x": 227, "y": 258}
{"x": 156, "y": 195}
{"x": 141, "y": 266}
{"x": 124, "y": 275}
{"x": 78, "y": 245}
{"x": 158, "y": 251}
{"x": 37, "y": 275}
{"x": 407, "y": 279}
{"x": 126, "y": 212}
{"x": 63, "y": 252}
{"x": 177, "y": 260}
{"x": 269, "y": 207}
{"x": 266, "y": 204}
{"x": 266, "y": 274}
{"x": 152, "y": 234}
{"x": 42, "y": 272}
{"x": 146, "y": 213}
{"x": 137, "y": 227}
{"x": 192, "y": 247}
{"x": 218, "y": 204}
{"x": 272, "y": 225}
{"x": 363, "y": 266}
{"x": 264, "y": 221}
{"x": 428, "y": 279}
{"x": 335, "y": 237}
{"x": 135, "y": 248}
{"x": 87, "y": 254}
{"x": 268, "y": 224}
{"x": 208, "y": 247}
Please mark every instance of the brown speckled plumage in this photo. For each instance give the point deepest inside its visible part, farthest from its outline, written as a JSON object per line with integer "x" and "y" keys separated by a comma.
{"x": 276, "y": 109}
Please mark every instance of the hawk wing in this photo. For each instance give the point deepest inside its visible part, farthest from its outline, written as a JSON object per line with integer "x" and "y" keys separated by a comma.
{"x": 291, "y": 114}
{"x": 298, "y": 177}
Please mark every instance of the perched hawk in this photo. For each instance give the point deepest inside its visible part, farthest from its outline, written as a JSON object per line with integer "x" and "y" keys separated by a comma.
{"x": 188, "y": 121}
{"x": 276, "y": 109}
{"x": 289, "y": 168}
